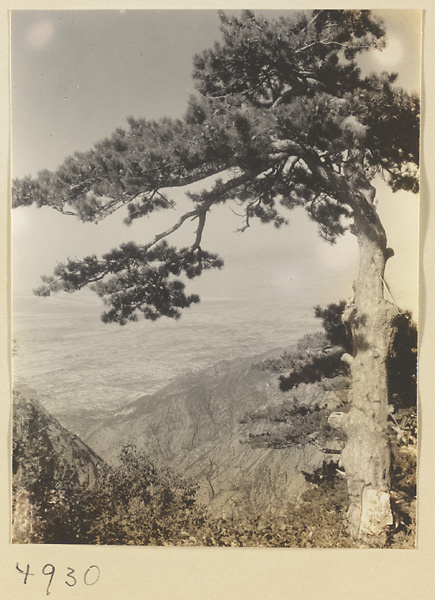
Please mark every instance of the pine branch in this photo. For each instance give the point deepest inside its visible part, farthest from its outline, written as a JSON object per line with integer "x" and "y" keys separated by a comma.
{"x": 191, "y": 214}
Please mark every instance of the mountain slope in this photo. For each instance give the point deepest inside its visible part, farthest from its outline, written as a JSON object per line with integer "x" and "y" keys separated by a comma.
{"x": 47, "y": 461}
{"x": 201, "y": 425}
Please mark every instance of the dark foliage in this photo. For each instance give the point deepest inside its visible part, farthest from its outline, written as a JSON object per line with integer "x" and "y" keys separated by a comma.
{"x": 134, "y": 503}
{"x": 332, "y": 322}
{"x": 139, "y": 504}
{"x": 316, "y": 355}
{"x": 326, "y": 473}
{"x": 311, "y": 342}
{"x": 402, "y": 362}
{"x": 403, "y": 442}
{"x": 313, "y": 365}
{"x": 135, "y": 279}
{"x": 314, "y": 368}
{"x": 314, "y": 360}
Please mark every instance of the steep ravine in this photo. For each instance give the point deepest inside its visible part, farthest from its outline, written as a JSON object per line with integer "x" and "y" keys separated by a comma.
{"x": 198, "y": 426}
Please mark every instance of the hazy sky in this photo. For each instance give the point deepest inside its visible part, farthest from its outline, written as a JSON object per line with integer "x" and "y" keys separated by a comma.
{"x": 77, "y": 75}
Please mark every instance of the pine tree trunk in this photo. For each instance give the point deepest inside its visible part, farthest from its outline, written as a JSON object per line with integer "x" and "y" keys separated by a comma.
{"x": 366, "y": 457}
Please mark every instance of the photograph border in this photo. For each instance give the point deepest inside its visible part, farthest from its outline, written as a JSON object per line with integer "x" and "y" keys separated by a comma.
{"x": 215, "y": 573}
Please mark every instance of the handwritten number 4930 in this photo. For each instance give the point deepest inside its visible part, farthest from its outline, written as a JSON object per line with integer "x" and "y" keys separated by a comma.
{"x": 90, "y": 577}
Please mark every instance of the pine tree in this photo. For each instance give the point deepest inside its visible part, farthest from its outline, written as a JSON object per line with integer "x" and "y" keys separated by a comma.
{"x": 282, "y": 117}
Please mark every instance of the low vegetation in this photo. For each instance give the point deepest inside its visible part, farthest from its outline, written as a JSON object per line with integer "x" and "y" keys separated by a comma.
{"x": 136, "y": 504}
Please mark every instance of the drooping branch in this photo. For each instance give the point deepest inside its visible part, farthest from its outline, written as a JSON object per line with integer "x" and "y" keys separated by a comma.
{"x": 200, "y": 229}
{"x": 135, "y": 278}
{"x": 132, "y": 279}
{"x": 249, "y": 211}
{"x": 192, "y": 214}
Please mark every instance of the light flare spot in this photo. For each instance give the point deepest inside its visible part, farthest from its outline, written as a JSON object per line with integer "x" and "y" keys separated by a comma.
{"x": 392, "y": 54}
{"x": 40, "y": 34}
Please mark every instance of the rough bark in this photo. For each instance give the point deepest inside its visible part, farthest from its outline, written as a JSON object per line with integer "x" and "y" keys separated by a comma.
{"x": 366, "y": 458}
